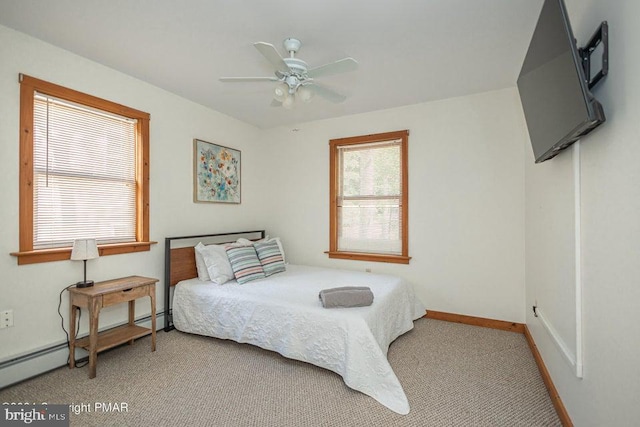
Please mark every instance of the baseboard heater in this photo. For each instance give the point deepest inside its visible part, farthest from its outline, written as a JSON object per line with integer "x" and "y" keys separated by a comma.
{"x": 26, "y": 366}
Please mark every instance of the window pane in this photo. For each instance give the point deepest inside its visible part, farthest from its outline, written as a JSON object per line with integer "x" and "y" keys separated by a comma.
{"x": 70, "y": 208}
{"x": 370, "y": 225}
{"x": 372, "y": 170}
{"x": 84, "y": 175}
{"x": 369, "y": 199}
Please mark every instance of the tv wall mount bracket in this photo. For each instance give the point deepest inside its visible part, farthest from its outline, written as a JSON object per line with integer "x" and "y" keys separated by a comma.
{"x": 600, "y": 36}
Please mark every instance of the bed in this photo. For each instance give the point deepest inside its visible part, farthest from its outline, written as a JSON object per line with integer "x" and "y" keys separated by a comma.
{"x": 282, "y": 313}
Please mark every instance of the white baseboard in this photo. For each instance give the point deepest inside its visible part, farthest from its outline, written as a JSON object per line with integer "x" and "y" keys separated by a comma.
{"x": 37, "y": 363}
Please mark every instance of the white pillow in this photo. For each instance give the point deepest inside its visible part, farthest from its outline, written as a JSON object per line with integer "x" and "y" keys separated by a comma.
{"x": 217, "y": 263}
{"x": 242, "y": 242}
{"x": 203, "y": 274}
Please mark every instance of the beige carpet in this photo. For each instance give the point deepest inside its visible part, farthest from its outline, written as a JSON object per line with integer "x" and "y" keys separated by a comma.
{"x": 453, "y": 375}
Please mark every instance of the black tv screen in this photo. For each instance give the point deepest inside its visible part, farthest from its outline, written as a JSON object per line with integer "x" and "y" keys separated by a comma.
{"x": 557, "y": 104}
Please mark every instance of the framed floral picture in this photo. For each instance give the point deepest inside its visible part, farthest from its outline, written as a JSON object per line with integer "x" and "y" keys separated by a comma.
{"x": 216, "y": 173}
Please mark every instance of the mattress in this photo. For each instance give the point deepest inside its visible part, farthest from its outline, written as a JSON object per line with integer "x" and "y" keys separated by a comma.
{"x": 283, "y": 313}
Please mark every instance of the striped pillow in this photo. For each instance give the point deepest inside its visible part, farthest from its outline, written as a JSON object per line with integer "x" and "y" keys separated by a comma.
{"x": 245, "y": 263}
{"x": 270, "y": 257}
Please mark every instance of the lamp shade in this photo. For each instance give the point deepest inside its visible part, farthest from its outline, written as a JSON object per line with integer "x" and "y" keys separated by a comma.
{"x": 305, "y": 94}
{"x": 287, "y": 104}
{"x": 281, "y": 92}
{"x": 84, "y": 249}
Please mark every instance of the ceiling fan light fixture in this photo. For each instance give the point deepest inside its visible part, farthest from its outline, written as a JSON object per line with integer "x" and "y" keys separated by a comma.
{"x": 288, "y": 102}
{"x": 281, "y": 92}
{"x": 305, "y": 94}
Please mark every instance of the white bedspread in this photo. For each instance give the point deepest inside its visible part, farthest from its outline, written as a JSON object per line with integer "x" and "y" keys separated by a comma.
{"x": 283, "y": 313}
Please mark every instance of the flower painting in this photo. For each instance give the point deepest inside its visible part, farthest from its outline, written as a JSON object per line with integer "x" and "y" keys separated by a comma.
{"x": 217, "y": 173}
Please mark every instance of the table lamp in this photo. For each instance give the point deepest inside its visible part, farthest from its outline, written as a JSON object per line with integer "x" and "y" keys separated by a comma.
{"x": 84, "y": 249}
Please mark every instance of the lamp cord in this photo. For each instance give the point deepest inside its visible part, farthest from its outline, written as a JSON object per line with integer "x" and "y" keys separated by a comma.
{"x": 67, "y": 333}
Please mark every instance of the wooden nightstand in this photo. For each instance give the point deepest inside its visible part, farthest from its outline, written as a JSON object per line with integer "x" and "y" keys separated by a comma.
{"x": 104, "y": 294}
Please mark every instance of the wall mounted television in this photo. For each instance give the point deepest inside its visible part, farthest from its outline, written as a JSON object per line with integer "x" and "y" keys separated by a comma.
{"x": 555, "y": 81}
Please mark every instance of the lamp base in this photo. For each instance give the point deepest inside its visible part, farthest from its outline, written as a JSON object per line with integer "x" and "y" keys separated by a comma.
{"x": 84, "y": 284}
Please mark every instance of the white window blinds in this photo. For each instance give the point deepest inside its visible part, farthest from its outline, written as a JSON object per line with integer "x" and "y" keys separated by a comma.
{"x": 369, "y": 199}
{"x": 84, "y": 177}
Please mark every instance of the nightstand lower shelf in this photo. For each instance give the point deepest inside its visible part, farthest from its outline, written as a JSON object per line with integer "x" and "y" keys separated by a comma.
{"x": 105, "y": 294}
{"x": 114, "y": 337}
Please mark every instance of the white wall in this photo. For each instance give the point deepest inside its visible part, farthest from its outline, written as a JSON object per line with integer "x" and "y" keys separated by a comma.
{"x": 609, "y": 392}
{"x": 466, "y": 199}
{"x": 32, "y": 290}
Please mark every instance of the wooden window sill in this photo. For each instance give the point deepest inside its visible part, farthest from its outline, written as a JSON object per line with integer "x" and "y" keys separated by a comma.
{"x": 359, "y": 256}
{"x": 60, "y": 254}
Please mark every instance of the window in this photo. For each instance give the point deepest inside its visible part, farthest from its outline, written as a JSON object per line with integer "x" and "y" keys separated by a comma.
{"x": 84, "y": 172}
{"x": 369, "y": 198}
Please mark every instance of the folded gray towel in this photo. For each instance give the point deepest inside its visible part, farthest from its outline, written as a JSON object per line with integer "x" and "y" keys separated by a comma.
{"x": 346, "y": 296}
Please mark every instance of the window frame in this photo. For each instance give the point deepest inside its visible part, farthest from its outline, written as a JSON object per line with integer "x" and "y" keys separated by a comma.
{"x": 28, "y": 87}
{"x": 334, "y": 146}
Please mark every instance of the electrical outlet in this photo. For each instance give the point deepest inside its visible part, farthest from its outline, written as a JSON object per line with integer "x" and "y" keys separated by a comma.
{"x": 367, "y": 270}
{"x": 6, "y": 318}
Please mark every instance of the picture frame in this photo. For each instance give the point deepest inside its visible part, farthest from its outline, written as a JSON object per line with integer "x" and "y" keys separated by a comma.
{"x": 216, "y": 173}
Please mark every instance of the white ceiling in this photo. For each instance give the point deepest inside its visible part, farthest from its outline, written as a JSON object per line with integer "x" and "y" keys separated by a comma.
{"x": 408, "y": 51}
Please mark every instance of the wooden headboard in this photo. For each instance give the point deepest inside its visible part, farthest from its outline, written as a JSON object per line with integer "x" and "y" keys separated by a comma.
{"x": 183, "y": 265}
{"x": 180, "y": 262}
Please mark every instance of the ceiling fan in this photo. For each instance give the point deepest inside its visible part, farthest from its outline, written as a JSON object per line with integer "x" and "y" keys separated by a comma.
{"x": 295, "y": 79}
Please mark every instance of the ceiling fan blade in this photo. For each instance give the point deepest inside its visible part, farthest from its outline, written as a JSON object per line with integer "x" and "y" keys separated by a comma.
{"x": 269, "y": 51}
{"x": 340, "y": 66}
{"x": 248, "y": 79}
{"x": 327, "y": 93}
